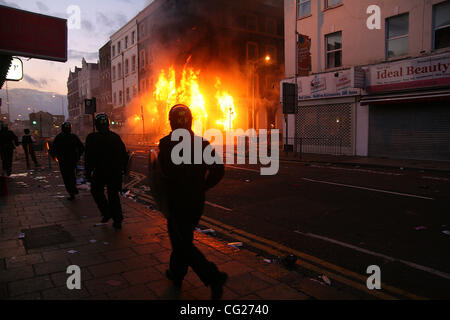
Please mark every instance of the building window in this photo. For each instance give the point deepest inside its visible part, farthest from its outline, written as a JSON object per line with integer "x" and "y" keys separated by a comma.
{"x": 113, "y": 51}
{"x": 134, "y": 91}
{"x": 271, "y": 26}
{"x": 397, "y": 30}
{"x": 133, "y": 63}
{"x": 120, "y": 70}
{"x": 332, "y": 3}
{"x": 252, "y": 51}
{"x": 126, "y": 42}
{"x": 118, "y": 47}
{"x": 142, "y": 62}
{"x": 126, "y": 66}
{"x": 334, "y": 50}
{"x": 303, "y": 8}
{"x": 252, "y": 23}
{"x": 114, "y": 73}
{"x": 133, "y": 37}
{"x": 115, "y": 98}
{"x": 441, "y": 25}
{"x": 120, "y": 97}
{"x": 128, "y": 95}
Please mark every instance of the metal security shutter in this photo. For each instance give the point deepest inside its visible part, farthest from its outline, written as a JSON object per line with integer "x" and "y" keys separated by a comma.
{"x": 325, "y": 129}
{"x": 410, "y": 131}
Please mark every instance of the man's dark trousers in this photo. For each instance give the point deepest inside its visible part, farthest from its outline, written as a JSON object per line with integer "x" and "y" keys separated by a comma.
{"x": 109, "y": 207}
{"x": 28, "y": 149}
{"x": 68, "y": 172}
{"x": 7, "y": 159}
{"x": 184, "y": 253}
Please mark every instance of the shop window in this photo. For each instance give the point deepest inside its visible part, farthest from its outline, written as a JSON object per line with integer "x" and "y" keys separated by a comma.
{"x": 441, "y": 25}
{"x": 397, "y": 36}
{"x": 334, "y": 50}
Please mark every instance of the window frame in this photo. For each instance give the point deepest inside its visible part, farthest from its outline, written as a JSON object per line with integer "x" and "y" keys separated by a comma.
{"x": 256, "y": 51}
{"x": 327, "y": 6}
{"x": 299, "y": 3}
{"x": 434, "y": 29}
{"x": 333, "y": 51}
{"x": 396, "y": 37}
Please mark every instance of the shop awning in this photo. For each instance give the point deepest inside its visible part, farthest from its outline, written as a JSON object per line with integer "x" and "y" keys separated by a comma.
{"x": 406, "y": 97}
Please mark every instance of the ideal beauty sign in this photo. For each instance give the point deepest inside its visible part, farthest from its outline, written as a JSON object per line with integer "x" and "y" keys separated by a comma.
{"x": 422, "y": 72}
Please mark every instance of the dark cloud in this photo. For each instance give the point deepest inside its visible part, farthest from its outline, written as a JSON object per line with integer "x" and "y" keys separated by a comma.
{"x": 37, "y": 83}
{"x": 42, "y": 6}
{"x": 87, "y": 25}
{"x": 78, "y": 55}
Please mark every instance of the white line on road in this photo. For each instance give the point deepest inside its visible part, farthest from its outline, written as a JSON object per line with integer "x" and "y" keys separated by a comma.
{"x": 217, "y": 206}
{"x": 370, "y": 189}
{"x": 244, "y": 169}
{"x": 391, "y": 259}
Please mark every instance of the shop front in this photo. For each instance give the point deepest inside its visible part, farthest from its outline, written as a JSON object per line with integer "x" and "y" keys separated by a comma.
{"x": 409, "y": 108}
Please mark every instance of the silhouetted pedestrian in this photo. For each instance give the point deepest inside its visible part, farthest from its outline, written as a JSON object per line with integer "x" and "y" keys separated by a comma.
{"x": 67, "y": 148}
{"x": 185, "y": 187}
{"x": 106, "y": 161}
{"x": 28, "y": 147}
{"x": 8, "y": 143}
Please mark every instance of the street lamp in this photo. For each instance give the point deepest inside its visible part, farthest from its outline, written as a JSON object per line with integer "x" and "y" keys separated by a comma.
{"x": 255, "y": 64}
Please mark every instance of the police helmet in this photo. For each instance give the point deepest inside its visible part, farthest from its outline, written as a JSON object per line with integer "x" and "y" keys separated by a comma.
{"x": 66, "y": 127}
{"x": 180, "y": 117}
{"x": 102, "y": 122}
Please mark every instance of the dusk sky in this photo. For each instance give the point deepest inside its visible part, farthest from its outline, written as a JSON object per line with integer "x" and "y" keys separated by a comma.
{"x": 99, "y": 19}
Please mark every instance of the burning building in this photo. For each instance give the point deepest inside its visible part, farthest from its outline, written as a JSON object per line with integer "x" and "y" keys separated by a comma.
{"x": 224, "y": 59}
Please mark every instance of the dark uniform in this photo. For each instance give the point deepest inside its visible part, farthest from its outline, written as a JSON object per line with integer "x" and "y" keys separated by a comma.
{"x": 8, "y": 142}
{"x": 186, "y": 185}
{"x": 27, "y": 144}
{"x": 68, "y": 149}
{"x": 106, "y": 160}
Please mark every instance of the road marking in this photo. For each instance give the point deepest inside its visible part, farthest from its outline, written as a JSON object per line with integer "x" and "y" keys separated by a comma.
{"x": 217, "y": 206}
{"x": 243, "y": 169}
{"x": 266, "y": 245}
{"x": 391, "y": 259}
{"x": 369, "y": 189}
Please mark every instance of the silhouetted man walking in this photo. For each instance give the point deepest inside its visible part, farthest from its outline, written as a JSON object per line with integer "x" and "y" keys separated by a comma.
{"x": 68, "y": 149}
{"x": 106, "y": 161}
{"x": 186, "y": 185}
{"x": 27, "y": 144}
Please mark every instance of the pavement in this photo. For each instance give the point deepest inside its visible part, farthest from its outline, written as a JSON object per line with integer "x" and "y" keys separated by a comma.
{"x": 126, "y": 264}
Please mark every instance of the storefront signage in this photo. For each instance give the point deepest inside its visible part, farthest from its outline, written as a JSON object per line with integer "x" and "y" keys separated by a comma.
{"x": 432, "y": 71}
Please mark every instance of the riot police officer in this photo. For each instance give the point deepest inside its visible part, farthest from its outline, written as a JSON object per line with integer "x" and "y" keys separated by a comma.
{"x": 106, "y": 161}
{"x": 68, "y": 148}
{"x": 185, "y": 189}
{"x": 8, "y": 143}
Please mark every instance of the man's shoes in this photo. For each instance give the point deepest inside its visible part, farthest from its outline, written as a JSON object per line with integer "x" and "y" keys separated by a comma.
{"x": 117, "y": 225}
{"x": 217, "y": 286}
{"x": 177, "y": 283}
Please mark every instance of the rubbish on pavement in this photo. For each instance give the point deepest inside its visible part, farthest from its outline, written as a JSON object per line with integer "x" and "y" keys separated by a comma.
{"x": 39, "y": 178}
{"x": 248, "y": 181}
{"x": 236, "y": 245}
{"x": 206, "y": 231}
{"x": 267, "y": 261}
{"x": 106, "y": 243}
{"x": 421, "y": 228}
{"x": 447, "y": 232}
{"x": 21, "y": 235}
{"x": 114, "y": 283}
{"x": 100, "y": 224}
{"x": 325, "y": 279}
{"x": 72, "y": 251}
{"x": 84, "y": 187}
{"x": 18, "y": 175}
{"x": 93, "y": 241}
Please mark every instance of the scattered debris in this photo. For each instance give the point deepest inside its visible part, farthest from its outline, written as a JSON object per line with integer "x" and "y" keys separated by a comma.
{"x": 72, "y": 251}
{"x": 325, "y": 279}
{"x": 206, "y": 231}
{"x": 39, "y": 178}
{"x": 248, "y": 181}
{"x": 267, "y": 261}
{"x": 93, "y": 241}
{"x": 421, "y": 228}
{"x": 447, "y": 232}
{"x": 21, "y": 235}
{"x": 59, "y": 197}
{"x": 106, "y": 243}
{"x": 236, "y": 245}
{"x": 289, "y": 261}
{"x": 84, "y": 187}
{"x": 100, "y": 224}
{"x": 18, "y": 175}
{"x": 114, "y": 283}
